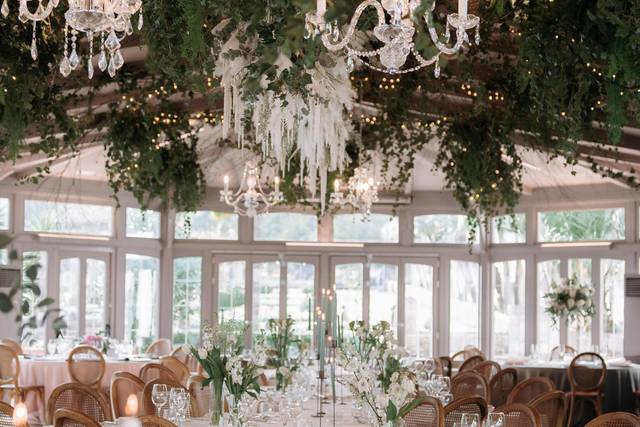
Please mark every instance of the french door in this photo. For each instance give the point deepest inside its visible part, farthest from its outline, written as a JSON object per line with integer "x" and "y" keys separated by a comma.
{"x": 256, "y": 288}
{"x": 84, "y": 292}
{"x": 399, "y": 291}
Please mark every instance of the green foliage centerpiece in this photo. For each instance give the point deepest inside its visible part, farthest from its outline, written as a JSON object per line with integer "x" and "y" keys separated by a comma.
{"x": 570, "y": 301}
{"x": 273, "y": 347}
{"x": 378, "y": 382}
{"x": 219, "y": 356}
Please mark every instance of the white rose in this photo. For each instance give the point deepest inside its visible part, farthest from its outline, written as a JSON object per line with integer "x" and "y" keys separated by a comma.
{"x": 202, "y": 353}
{"x": 580, "y": 303}
{"x": 571, "y": 303}
{"x": 186, "y": 348}
{"x": 284, "y": 371}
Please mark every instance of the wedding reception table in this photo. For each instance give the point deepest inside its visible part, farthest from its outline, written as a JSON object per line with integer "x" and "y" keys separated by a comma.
{"x": 52, "y": 372}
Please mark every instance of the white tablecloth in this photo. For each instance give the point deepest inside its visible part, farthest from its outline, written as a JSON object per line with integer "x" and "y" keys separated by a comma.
{"x": 51, "y": 373}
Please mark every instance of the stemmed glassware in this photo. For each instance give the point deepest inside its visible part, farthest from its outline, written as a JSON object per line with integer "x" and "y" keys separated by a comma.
{"x": 178, "y": 402}
{"x": 429, "y": 366}
{"x": 470, "y": 420}
{"x": 562, "y": 351}
{"x": 495, "y": 419}
{"x": 159, "y": 397}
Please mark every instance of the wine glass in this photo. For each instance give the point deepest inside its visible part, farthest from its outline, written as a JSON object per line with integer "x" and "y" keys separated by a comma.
{"x": 429, "y": 366}
{"x": 159, "y": 397}
{"x": 470, "y": 420}
{"x": 562, "y": 351}
{"x": 52, "y": 347}
{"x": 495, "y": 419}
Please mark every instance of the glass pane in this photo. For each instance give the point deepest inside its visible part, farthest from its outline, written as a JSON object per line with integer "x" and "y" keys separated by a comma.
{"x": 509, "y": 229}
{"x": 4, "y": 214}
{"x": 281, "y": 226}
{"x": 206, "y": 225}
{"x": 141, "y": 300}
{"x": 379, "y": 229}
{"x": 70, "y": 295}
{"x": 72, "y": 218}
{"x": 440, "y": 229}
{"x": 187, "y": 280}
{"x": 548, "y": 333}
{"x": 96, "y": 296}
{"x": 4, "y": 257}
{"x": 349, "y": 285}
{"x": 231, "y": 282}
{"x": 508, "y": 302}
{"x": 568, "y": 226}
{"x": 37, "y": 340}
{"x": 612, "y": 282}
{"x": 464, "y": 318}
{"x": 143, "y": 224}
{"x": 418, "y": 289}
{"x": 579, "y": 333}
{"x": 383, "y": 294}
{"x": 300, "y": 296}
{"x": 266, "y": 294}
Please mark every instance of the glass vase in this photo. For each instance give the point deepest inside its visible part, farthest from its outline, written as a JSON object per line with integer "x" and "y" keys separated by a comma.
{"x": 216, "y": 407}
{"x": 233, "y": 418}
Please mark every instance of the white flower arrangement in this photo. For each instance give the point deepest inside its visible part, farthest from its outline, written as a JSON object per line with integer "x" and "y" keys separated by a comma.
{"x": 571, "y": 300}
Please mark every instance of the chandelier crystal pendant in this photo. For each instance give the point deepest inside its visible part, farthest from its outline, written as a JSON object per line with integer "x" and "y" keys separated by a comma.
{"x": 110, "y": 20}
{"x": 396, "y": 35}
{"x": 361, "y": 192}
{"x": 250, "y": 200}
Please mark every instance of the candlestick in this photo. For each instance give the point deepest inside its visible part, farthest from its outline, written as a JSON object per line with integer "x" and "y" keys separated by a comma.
{"x": 276, "y": 182}
{"x": 462, "y": 8}
{"x": 321, "y": 8}
{"x": 309, "y": 323}
{"x": 226, "y": 182}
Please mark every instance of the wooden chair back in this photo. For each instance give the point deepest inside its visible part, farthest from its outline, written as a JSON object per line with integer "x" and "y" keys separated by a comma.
{"x": 9, "y": 366}
{"x": 81, "y": 398}
{"x": 159, "y": 348}
{"x": 86, "y": 365}
{"x": 201, "y": 395}
{"x": 154, "y": 421}
{"x": 467, "y": 384}
{"x": 615, "y": 419}
{"x": 15, "y": 345}
{"x": 501, "y": 386}
{"x": 6, "y": 415}
{"x": 470, "y": 363}
{"x": 156, "y": 371}
{"x": 587, "y": 373}
{"x": 530, "y": 389}
{"x": 148, "y": 408}
{"x": 552, "y": 408}
{"x": 488, "y": 369}
{"x": 71, "y": 418}
{"x": 519, "y": 415}
{"x": 429, "y": 413}
{"x": 180, "y": 371}
{"x": 123, "y": 384}
{"x": 186, "y": 357}
{"x": 469, "y": 405}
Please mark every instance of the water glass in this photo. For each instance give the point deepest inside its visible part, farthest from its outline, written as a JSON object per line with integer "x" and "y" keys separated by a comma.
{"x": 470, "y": 420}
{"x": 159, "y": 397}
{"x": 429, "y": 366}
{"x": 495, "y": 419}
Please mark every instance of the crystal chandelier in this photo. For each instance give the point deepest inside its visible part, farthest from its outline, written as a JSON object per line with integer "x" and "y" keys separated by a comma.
{"x": 361, "y": 192}
{"x": 250, "y": 200}
{"x": 396, "y": 35}
{"x": 109, "y": 20}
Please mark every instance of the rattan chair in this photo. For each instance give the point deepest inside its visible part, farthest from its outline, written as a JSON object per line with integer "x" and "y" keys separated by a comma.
{"x": 9, "y": 377}
{"x": 180, "y": 371}
{"x": 154, "y": 421}
{"x": 488, "y": 369}
{"x": 467, "y": 384}
{"x": 86, "y": 365}
{"x": 519, "y": 415}
{"x": 81, "y": 398}
{"x": 201, "y": 395}
{"x": 429, "y": 413}
{"x": 555, "y": 352}
{"x": 471, "y": 363}
{"x": 501, "y": 386}
{"x": 530, "y": 389}
{"x": 156, "y": 371}
{"x": 148, "y": 408}
{"x": 123, "y": 384}
{"x": 15, "y": 345}
{"x": 470, "y": 351}
{"x": 587, "y": 374}
{"x": 159, "y": 348}
{"x": 71, "y": 418}
{"x": 552, "y": 408}
{"x": 447, "y": 365}
{"x": 615, "y": 419}
{"x": 187, "y": 358}
{"x": 457, "y": 359}
{"x": 6, "y": 415}
{"x": 470, "y": 405}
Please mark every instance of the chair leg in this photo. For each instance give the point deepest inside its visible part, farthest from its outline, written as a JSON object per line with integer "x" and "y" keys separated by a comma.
{"x": 598, "y": 404}
{"x": 572, "y": 403}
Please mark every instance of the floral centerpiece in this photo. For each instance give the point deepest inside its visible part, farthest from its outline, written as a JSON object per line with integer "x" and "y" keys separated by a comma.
{"x": 377, "y": 381}
{"x": 219, "y": 357}
{"x": 273, "y": 346}
{"x": 570, "y": 300}
{"x": 241, "y": 379}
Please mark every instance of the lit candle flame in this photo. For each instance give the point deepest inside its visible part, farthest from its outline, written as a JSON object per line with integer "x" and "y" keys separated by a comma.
{"x": 131, "y": 408}
{"x": 20, "y": 415}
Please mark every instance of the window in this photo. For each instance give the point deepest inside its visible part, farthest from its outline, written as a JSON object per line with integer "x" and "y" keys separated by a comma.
{"x": 508, "y": 303}
{"x": 509, "y": 229}
{"x": 418, "y": 308}
{"x": 452, "y": 229}
{"x": 70, "y": 218}
{"x": 570, "y": 226}
{"x": 29, "y": 259}
{"x": 187, "y": 284}
{"x": 141, "y": 300}
{"x": 380, "y": 228}
{"x": 300, "y": 296}
{"x": 231, "y": 288}
{"x": 266, "y": 294}
{"x": 349, "y": 285}
{"x": 143, "y": 224}
{"x": 281, "y": 226}
{"x": 207, "y": 225}
{"x": 4, "y": 257}
{"x": 579, "y": 332}
{"x": 70, "y": 295}
{"x": 95, "y": 296}
{"x": 548, "y": 332}
{"x": 4, "y": 214}
{"x": 612, "y": 283}
{"x": 464, "y": 317}
{"x": 383, "y": 294}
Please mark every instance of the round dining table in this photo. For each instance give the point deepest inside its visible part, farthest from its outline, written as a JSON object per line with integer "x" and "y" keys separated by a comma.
{"x": 51, "y": 372}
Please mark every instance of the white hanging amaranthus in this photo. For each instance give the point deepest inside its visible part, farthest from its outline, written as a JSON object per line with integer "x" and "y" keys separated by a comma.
{"x": 314, "y": 126}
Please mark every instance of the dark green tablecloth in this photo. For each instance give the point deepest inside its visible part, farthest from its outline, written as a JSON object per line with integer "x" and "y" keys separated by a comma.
{"x": 619, "y": 386}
